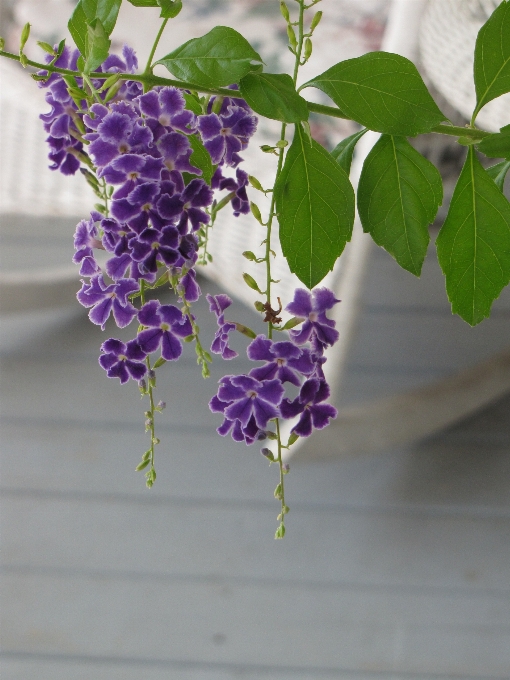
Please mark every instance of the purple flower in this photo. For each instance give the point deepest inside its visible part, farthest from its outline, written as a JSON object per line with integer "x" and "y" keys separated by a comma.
{"x": 165, "y": 326}
{"x": 186, "y": 206}
{"x": 226, "y": 134}
{"x": 188, "y": 287}
{"x": 314, "y": 413}
{"x": 121, "y": 131}
{"x": 123, "y": 360}
{"x": 284, "y": 360}
{"x": 105, "y": 299}
{"x": 248, "y": 397}
{"x": 85, "y": 240}
{"x": 129, "y": 170}
{"x": 153, "y": 246}
{"x": 140, "y": 206}
{"x": 176, "y": 151}
{"x": 218, "y": 304}
{"x": 166, "y": 106}
{"x": 240, "y": 201}
{"x": 316, "y": 327}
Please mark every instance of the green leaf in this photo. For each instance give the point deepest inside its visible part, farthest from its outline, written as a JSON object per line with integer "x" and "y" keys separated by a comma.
{"x": 473, "y": 246}
{"x": 144, "y": 3}
{"x": 315, "y": 206}
{"x": 492, "y": 57}
{"x": 343, "y": 152}
{"x": 78, "y": 27}
{"x": 498, "y": 173}
{"x": 192, "y": 103}
{"x": 383, "y": 92}
{"x": 273, "y": 95}
{"x": 169, "y": 8}
{"x": 496, "y": 146}
{"x": 98, "y": 46}
{"x": 221, "y": 57}
{"x": 201, "y": 159}
{"x": 104, "y": 10}
{"x": 399, "y": 194}
{"x": 85, "y": 14}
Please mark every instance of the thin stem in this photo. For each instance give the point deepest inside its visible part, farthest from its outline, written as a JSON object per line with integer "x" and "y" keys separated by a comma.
{"x": 148, "y": 68}
{"x": 282, "y": 474}
{"x": 92, "y": 89}
{"x": 149, "y": 474}
{"x": 215, "y": 210}
{"x": 152, "y": 80}
{"x": 269, "y": 225}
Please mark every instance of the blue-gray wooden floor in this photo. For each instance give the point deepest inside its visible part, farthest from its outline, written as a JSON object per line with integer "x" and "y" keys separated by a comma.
{"x": 395, "y": 566}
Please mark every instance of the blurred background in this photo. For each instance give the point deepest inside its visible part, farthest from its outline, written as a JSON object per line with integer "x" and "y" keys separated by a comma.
{"x": 396, "y": 560}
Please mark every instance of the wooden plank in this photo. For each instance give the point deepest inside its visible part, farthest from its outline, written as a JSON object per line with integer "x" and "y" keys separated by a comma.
{"x": 61, "y": 667}
{"x": 197, "y": 538}
{"x": 276, "y": 625}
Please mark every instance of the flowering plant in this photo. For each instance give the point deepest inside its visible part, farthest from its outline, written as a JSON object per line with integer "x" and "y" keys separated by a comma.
{"x": 159, "y": 152}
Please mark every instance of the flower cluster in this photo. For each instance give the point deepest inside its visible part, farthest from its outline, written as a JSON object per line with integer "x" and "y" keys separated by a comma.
{"x": 64, "y": 122}
{"x": 140, "y": 147}
{"x": 249, "y": 402}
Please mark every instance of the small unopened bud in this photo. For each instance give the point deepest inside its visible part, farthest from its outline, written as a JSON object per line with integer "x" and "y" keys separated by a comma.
{"x": 280, "y": 532}
{"x": 161, "y": 405}
{"x": 282, "y": 144}
{"x": 24, "y": 36}
{"x": 308, "y": 49}
{"x": 268, "y": 149}
{"x": 46, "y": 47}
{"x": 278, "y": 492}
{"x": 259, "y": 306}
{"x": 315, "y": 21}
{"x": 142, "y": 385}
{"x": 249, "y": 255}
{"x": 155, "y": 441}
{"x": 255, "y": 183}
{"x": 292, "y": 36}
{"x": 285, "y": 468}
{"x": 250, "y": 281}
{"x": 267, "y": 454}
{"x": 261, "y": 435}
{"x": 284, "y": 11}
{"x": 256, "y": 212}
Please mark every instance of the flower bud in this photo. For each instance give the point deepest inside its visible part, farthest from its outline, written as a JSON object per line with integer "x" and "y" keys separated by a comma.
{"x": 285, "y": 468}
{"x": 278, "y": 494}
{"x": 280, "y": 532}
{"x": 250, "y": 281}
{"x": 249, "y": 255}
{"x": 161, "y": 405}
{"x": 256, "y": 212}
{"x": 267, "y": 454}
{"x": 282, "y": 144}
{"x": 292, "y": 36}
{"x": 24, "y": 37}
{"x": 315, "y": 21}
{"x": 284, "y": 11}
{"x": 142, "y": 465}
{"x": 259, "y": 306}
{"x": 255, "y": 183}
{"x": 308, "y": 49}
{"x": 268, "y": 149}
{"x": 46, "y": 47}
